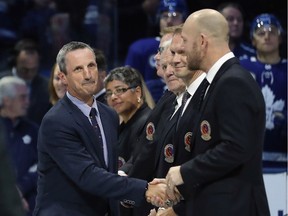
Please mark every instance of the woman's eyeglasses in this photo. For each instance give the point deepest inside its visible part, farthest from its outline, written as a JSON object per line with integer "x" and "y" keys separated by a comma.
{"x": 117, "y": 92}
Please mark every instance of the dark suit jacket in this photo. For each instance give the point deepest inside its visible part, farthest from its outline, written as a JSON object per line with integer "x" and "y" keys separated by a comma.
{"x": 225, "y": 175}
{"x": 130, "y": 134}
{"x": 184, "y": 132}
{"x": 144, "y": 166}
{"x": 73, "y": 178}
{"x": 165, "y": 149}
{"x": 10, "y": 204}
{"x": 101, "y": 98}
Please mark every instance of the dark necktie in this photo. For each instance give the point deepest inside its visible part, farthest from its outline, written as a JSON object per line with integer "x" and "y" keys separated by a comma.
{"x": 186, "y": 96}
{"x": 92, "y": 115}
{"x": 204, "y": 85}
{"x": 184, "y": 101}
{"x": 173, "y": 109}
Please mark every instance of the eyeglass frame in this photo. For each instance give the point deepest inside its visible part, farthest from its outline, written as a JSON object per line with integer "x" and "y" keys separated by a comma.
{"x": 121, "y": 91}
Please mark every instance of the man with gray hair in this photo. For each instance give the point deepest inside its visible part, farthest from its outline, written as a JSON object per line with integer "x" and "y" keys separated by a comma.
{"x": 21, "y": 135}
{"x": 77, "y": 148}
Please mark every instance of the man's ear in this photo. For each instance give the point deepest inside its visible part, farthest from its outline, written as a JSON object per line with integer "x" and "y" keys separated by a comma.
{"x": 63, "y": 77}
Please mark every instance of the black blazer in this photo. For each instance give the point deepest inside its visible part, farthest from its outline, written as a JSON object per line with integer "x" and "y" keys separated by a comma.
{"x": 73, "y": 178}
{"x": 130, "y": 134}
{"x": 224, "y": 176}
{"x": 10, "y": 203}
{"x": 144, "y": 166}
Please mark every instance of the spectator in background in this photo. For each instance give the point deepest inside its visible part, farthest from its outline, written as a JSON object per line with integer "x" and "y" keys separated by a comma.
{"x": 10, "y": 200}
{"x": 102, "y": 68}
{"x": 97, "y": 26}
{"x": 270, "y": 72}
{"x": 141, "y": 52}
{"x": 125, "y": 94}
{"x": 58, "y": 33}
{"x": 142, "y": 12}
{"x": 8, "y": 33}
{"x": 57, "y": 88}
{"x": 234, "y": 15}
{"x": 25, "y": 64}
{"x": 35, "y": 25}
{"x": 21, "y": 135}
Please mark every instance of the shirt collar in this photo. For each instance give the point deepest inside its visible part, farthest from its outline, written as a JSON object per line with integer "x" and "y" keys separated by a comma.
{"x": 215, "y": 68}
{"x": 85, "y": 109}
{"x": 195, "y": 84}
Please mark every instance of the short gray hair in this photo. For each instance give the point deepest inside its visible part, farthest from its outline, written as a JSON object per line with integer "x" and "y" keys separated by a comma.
{"x": 73, "y": 45}
{"x": 8, "y": 87}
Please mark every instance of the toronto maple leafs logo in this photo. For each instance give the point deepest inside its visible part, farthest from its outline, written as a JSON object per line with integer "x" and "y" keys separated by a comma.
{"x": 273, "y": 108}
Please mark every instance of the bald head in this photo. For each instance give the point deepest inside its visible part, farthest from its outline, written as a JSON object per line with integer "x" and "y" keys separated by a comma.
{"x": 206, "y": 35}
{"x": 209, "y": 22}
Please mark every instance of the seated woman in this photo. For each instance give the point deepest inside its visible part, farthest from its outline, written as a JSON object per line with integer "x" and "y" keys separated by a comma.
{"x": 125, "y": 94}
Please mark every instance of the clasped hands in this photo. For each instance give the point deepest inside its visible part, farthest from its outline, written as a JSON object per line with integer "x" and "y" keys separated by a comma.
{"x": 163, "y": 192}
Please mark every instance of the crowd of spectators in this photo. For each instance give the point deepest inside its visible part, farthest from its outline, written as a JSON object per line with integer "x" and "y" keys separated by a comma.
{"x": 107, "y": 25}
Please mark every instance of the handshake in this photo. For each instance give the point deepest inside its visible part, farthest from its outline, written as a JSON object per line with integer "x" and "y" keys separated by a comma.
{"x": 163, "y": 192}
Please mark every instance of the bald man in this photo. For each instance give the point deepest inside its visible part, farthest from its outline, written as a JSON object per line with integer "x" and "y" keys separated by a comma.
{"x": 224, "y": 176}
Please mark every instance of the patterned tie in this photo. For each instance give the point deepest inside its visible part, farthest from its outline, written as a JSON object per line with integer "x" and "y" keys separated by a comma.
{"x": 92, "y": 115}
{"x": 204, "y": 85}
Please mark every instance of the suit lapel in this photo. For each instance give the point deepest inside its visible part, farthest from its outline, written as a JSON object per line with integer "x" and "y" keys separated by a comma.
{"x": 166, "y": 137}
{"x": 92, "y": 146}
{"x": 184, "y": 133}
{"x": 218, "y": 75}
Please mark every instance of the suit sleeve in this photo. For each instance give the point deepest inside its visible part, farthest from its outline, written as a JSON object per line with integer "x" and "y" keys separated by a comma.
{"x": 66, "y": 148}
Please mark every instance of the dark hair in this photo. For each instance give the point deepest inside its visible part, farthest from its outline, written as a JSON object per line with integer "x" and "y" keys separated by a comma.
{"x": 26, "y": 44}
{"x": 224, "y": 5}
{"x": 100, "y": 60}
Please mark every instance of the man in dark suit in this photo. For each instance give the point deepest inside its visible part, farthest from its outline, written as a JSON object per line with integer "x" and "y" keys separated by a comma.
{"x": 77, "y": 161}
{"x": 224, "y": 176}
{"x": 157, "y": 155}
